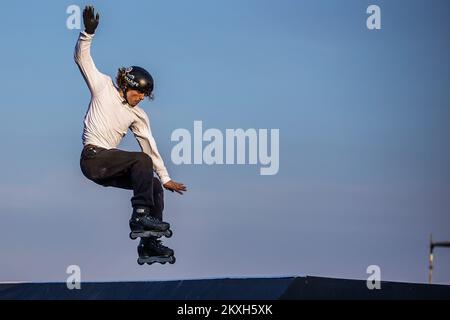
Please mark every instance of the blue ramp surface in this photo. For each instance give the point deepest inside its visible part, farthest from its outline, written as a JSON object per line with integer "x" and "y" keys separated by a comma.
{"x": 214, "y": 289}
{"x": 226, "y": 289}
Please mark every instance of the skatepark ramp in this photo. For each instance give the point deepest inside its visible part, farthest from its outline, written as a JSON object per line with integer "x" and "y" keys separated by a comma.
{"x": 226, "y": 289}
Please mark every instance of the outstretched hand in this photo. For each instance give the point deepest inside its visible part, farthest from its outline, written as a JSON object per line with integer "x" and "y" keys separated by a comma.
{"x": 90, "y": 19}
{"x": 175, "y": 186}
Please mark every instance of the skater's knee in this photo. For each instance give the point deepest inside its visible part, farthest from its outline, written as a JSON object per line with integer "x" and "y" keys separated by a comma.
{"x": 144, "y": 159}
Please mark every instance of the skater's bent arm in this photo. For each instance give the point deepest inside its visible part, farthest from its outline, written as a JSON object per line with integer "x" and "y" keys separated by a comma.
{"x": 142, "y": 132}
{"x": 95, "y": 80}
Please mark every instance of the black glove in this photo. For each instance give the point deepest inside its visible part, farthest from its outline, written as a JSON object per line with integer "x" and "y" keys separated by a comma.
{"x": 90, "y": 21}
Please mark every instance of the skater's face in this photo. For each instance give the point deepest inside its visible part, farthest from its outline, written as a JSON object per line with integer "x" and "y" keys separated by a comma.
{"x": 134, "y": 97}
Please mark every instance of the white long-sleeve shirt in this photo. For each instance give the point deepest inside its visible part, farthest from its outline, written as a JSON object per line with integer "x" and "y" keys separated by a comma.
{"x": 108, "y": 118}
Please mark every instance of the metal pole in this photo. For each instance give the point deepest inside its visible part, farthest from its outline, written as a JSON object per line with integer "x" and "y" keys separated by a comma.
{"x": 430, "y": 267}
{"x": 443, "y": 244}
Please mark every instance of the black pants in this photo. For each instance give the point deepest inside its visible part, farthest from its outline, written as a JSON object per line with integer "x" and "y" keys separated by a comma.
{"x": 126, "y": 170}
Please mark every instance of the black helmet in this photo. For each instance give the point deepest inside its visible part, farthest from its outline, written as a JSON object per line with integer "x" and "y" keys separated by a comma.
{"x": 138, "y": 78}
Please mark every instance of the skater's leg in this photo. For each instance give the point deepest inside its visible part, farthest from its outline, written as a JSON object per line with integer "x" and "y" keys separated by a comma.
{"x": 122, "y": 169}
{"x": 158, "y": 198}
{"x": 142, "y": 180}
{"x": 129, "y": 170}
{"x": 154, "y": 247}
{"x": 121, "y": 181}
{"x": 151, "y": 250}
{"x": 124, "y": 182}
{"x": 148, "y": 221}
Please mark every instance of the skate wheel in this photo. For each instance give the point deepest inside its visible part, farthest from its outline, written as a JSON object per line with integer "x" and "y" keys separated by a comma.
{"x": 169, "y": 233}
{"x": 140, "y": 262}
{"x": 132, "y": 237}
{"x": 172, "y": 260}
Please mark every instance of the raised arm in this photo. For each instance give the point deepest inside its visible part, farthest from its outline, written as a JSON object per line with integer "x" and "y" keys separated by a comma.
{"x": 95, "y": 80}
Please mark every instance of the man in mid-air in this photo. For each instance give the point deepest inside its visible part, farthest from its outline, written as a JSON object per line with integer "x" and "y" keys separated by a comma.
{"x": 113, "y": 110}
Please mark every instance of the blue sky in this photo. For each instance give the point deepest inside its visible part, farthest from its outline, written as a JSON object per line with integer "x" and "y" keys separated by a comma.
{"x": 364, "y": 151}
